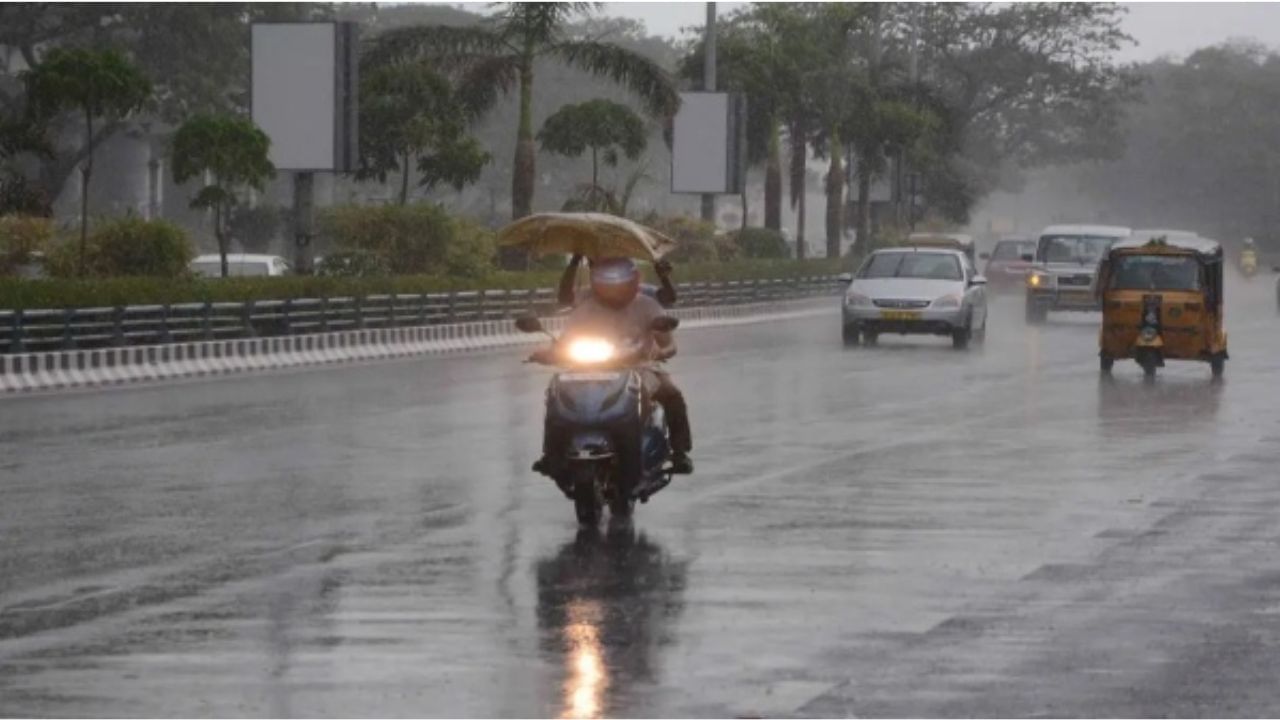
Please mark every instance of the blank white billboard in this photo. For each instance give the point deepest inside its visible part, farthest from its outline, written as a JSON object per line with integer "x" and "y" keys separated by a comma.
{"x": 704, "y": 144}
{"x": 304, "y": 93}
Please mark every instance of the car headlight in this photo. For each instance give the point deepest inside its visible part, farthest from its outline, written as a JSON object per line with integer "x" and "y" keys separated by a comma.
{"x": 589, "y": 351}
{"x": 947, "y": 301}
{"x": 854, "y": 299}
{"x": 1039, "y": 280}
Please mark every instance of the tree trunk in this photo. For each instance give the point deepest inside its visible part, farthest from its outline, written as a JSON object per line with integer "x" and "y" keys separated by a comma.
{"x": 595, "y": 170}
{"x": 745, "y": 206}
{"x": 864, "y": 204}
{"x": 835, "y": 197}
{"x": 799, "y": 156}
{"x": 404, "y": 182}
{"x": 86, "y": 172}
{"x": 522, "y": 180}
{"x": 220, "y": 234}
{"x": 773, "y": 181}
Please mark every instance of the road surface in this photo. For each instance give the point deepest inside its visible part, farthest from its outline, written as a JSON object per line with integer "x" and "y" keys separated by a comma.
{"x": 903, "y": 531}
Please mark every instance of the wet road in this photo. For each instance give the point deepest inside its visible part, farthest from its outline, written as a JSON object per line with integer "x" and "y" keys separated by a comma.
{"x": 905, "y": 530}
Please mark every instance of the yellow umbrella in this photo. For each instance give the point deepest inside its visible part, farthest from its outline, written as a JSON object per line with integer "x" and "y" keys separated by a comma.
{"x": 593, "y": 235}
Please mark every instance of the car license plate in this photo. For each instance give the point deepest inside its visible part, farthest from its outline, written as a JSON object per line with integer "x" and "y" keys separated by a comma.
{"x": 900, "y": 315}
{"x": 587, "y": 376}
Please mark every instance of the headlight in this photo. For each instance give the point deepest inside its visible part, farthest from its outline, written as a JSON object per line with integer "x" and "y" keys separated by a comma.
{"x": 1151, "y": 318}
{"x": 588, "y": 351}
{"x": 1036, "y": 280}
{"x": 854, "y": 299}
{"x": 947, "y": 301}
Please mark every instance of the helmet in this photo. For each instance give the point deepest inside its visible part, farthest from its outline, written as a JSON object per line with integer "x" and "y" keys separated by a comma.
{"x": 615, "y": 281}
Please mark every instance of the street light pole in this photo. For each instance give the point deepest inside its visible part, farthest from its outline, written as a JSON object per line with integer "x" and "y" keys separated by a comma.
{"x": 709, "y": 85}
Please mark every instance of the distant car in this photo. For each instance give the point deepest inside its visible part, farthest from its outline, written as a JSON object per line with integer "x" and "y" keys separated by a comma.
{"x": 241, "y": 265}
{"x": 953, "y": 241}
{"x": 1006, "y": 268}
{"x": 1066, "y": 266}
{"x": 915, "y": 291}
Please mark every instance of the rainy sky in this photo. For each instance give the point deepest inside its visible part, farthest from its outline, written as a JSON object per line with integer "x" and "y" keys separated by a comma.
{"x": 1159, "y": 28}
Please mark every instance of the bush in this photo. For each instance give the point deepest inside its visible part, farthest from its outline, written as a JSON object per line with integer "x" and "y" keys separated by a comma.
{"x": 352, "y": 264}
{"x": 420, "y": 238}
{"x": 696, "y": 240}
{"x": 756, "y": 242}
{"x": 19, "y": 196}
{"x": 22, "y": 236}
{"x": 129, "y": 247}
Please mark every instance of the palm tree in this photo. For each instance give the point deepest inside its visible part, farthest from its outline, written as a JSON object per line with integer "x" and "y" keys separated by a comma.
{"x": 499, "y": 54}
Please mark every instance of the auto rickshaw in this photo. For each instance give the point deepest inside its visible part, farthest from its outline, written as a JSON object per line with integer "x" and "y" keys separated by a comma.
{"x": 1161, "y": 300}
{"x": 1248, "y": 258}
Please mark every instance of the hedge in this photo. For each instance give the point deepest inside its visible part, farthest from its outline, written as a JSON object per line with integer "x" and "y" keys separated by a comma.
{"x": 108, "y": 292}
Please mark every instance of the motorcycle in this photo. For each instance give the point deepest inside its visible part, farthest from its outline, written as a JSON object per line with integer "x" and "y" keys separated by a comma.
{"x": 615, "y": 447}
{"x": 1248, "y": 263}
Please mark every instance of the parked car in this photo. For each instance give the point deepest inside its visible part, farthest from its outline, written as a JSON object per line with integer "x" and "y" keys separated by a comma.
{"x": 241, "y": 265}
{"x": 1006, "y": 269}
{"x": 915, "y": 291}
{"x": 1066, "y": 267}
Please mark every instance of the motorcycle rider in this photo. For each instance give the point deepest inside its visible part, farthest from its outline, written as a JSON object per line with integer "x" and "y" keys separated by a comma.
{"x": 665, "y": 293}
{"x": 616, "y": 304}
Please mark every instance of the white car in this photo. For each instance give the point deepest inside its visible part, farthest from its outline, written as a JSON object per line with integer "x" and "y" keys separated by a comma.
{"x": 240, "y": 265}
{"x": 915, "y": 291}
{"x": 1066, "y": 266}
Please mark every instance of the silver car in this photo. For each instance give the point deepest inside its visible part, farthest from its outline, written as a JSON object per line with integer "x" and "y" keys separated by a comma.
{"x": 915, "y": 291}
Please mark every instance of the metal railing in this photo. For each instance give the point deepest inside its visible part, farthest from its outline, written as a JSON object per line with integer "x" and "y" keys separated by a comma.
{"x": 86, "y": 328}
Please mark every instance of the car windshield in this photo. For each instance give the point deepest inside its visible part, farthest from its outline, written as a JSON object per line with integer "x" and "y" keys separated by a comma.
{"x": 1082, "y": 249}
{"x": 1012, "y": 250}
{"x": 930, "y": 266}
{"x": 1155, "y": 272}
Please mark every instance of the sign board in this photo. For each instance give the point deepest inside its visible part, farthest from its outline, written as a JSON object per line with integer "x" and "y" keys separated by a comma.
{"x": 708, "y": 152}
{"x": 304, "y": 94}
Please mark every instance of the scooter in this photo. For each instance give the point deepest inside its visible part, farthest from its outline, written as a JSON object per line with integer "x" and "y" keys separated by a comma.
{"x": 615, "y": 448}
{"x": 1248, "y": 263}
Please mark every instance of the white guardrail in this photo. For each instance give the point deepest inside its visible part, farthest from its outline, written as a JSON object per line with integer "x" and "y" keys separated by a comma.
{"x": 22, "y": 373}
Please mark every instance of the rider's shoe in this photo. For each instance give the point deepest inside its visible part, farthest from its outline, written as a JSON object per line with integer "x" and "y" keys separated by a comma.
{"x": 681, "y": 464}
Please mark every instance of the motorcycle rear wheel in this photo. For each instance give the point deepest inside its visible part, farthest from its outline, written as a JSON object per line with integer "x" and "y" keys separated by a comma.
{"x": 587, "y": 502}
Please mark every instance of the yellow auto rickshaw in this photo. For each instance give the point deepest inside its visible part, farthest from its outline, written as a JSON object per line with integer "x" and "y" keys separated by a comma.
{"x": 1161, "y": 300}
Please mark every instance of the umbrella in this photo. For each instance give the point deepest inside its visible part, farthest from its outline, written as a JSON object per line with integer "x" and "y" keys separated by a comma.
{"x": 593, "y": 235}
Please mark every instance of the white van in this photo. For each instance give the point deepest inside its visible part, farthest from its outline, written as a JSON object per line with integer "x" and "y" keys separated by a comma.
{"x": 1065, "y": 267}
{"x": 241, "y": 265}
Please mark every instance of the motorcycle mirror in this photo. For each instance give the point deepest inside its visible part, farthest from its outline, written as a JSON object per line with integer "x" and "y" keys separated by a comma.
{"x": 529, "y": 324}
{"x": 664, "y": 324}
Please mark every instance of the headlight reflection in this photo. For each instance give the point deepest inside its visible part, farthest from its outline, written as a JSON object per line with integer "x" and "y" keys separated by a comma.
{"x": 585, "y": 686}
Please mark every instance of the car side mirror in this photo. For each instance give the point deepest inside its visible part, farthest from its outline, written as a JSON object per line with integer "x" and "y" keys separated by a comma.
{"x": 977, "y": 280}
{"x": 529, "y": 324}
{"x": 984, "y": 256}
{"x": 664, "y": 324}
{"x": 1027, "y": 257}
{"x": 845, "y": 278}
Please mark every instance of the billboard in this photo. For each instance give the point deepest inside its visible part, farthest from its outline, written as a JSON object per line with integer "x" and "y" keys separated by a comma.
{"x": 304, "y": 94}
{"x": 708, "y": 151}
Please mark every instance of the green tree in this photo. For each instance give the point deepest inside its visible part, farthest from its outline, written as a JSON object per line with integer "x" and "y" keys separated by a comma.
{"x": 501, "y": 54}
{"x": 232, "y": 152}
{"x": 604, "y": 127}
{"x": 99, "y": 86}
{"x": 410, "y": 114}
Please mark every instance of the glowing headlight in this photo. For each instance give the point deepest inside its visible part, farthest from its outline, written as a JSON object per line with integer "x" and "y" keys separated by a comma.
{"x": 590, "y": 350}
{"x": 1036, "y": 280}
{"x": 854, "y": 299}
{"x": 947, "y": 301}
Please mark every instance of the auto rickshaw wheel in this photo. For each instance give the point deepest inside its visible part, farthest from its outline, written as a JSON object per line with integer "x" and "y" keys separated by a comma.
{"x": 1105, "y": 363}
{"x": 1217, "y": 365}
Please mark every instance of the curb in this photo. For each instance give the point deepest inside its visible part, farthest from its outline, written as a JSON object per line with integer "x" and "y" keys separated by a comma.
{"x": 68, "y": 369}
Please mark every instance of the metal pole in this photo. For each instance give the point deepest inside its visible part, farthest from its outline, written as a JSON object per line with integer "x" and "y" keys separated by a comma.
{"x": 303, "y": 215}
{"x": 709, "y": 85}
